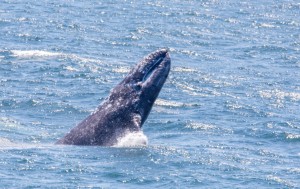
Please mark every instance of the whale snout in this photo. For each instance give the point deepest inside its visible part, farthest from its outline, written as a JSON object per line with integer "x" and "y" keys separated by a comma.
{"x": 152, "y": 68}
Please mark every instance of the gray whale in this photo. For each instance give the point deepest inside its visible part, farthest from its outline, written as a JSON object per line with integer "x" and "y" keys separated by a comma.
{"x": 127, "y": 106}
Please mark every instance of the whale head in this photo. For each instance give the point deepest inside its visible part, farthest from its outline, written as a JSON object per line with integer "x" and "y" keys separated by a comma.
{"x": 140, "y": 88}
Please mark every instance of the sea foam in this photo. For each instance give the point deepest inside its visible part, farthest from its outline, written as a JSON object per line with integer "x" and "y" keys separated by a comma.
{"x": 34, "y": 53}
{"x": 133, "y": 139}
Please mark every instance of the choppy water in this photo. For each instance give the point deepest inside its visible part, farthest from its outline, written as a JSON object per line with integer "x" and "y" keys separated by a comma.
{"x": 228, "y": 116}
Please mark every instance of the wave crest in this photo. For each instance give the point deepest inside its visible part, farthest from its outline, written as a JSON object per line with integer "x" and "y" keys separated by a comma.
{"x": 34, "y": 53}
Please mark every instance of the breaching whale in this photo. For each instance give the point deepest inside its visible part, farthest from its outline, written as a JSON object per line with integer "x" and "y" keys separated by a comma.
{"x": 127, "y": 106}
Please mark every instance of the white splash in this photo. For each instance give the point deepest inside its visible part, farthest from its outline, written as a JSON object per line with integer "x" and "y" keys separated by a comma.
{"x": 71, "y": 69}
{"x": 279, "y": 94}
{"x": 293, "y": 136}
{"x": 162, "y": 102}
{"x": 121, "y": 70}
{"x": 134, "y": 139}
{"x": 5, "y": 142}
{"x": 200, "y": 126}
{"x": 266, "y": 25}
{"x": 49, "y": 54}
{"x": 34, "y": 53}
{"x": 280, "y": 180}
{"x": 184, "y": 69}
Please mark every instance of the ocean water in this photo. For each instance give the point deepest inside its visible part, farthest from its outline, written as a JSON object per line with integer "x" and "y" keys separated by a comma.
{"x": 227, "y": 117}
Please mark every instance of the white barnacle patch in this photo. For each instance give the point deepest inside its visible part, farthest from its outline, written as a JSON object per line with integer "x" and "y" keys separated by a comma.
{"x": 137, "y": 120}
{"x": 108, "y": 106}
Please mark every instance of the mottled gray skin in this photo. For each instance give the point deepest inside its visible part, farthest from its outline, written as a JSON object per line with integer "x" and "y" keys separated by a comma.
{"x": 127, "y": 107}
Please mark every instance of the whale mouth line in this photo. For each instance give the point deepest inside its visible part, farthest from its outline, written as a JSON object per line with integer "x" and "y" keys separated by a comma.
{"x": 152, "y": 69}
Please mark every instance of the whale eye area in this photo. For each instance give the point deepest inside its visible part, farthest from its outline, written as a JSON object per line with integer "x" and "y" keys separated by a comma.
{"x": 137, "y": 87}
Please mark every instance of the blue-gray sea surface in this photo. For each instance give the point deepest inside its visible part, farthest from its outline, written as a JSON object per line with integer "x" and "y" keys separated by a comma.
{"x": 227, "y": 117}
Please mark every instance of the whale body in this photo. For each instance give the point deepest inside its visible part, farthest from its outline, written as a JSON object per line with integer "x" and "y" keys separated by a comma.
{"x": 127, "y": 107}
